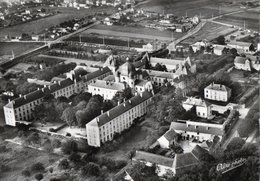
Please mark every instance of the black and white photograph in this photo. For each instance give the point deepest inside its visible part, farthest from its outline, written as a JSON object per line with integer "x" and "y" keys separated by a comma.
{"x": 129, "y": 90}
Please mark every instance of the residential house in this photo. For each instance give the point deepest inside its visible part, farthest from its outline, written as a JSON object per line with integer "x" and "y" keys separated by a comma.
{"x": 167, "y": 139}
{"x": 247, "y": 63}
{"x": 218, "y": 49}
{"x": 201, "y": 131}
{"x": 242, "y": 47}
{"x": 217, "y": 92}
{"x": 203, "y": 108}
{"x": 104, "y": 127}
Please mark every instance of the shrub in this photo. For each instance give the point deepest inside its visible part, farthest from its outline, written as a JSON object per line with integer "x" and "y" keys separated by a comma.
{"x": 55, "y": 143}
{"x": 26, "y": 172}
{"x": 74, "y": 157}
{"x": 69, "y": 146}
{"x": 39, "y": 176}
{"x": 51, "y": 169}
{"x": 64, "y": 164}
{"x": 2, "y": 148}
{"x": 37, "y": 167}
{"x": 52, "y": 130}
{"x": 91, "y": 169}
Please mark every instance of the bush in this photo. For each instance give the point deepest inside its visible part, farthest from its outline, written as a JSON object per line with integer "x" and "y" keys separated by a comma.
{"x": 37, "y": 167}
{"x": 51, "y": 169}
{"x": 39, "y": 176}
{"x": 91, "y": 169}
{"x": 2, "y": 148}
{"x": 74, "y": 157}
{"x": 52, "y": 130}
{"x": 26, "y": 172}
{"x": 55, "y": 143}
{"x": 64, "y": 164}
{"x": 69, "y": 147}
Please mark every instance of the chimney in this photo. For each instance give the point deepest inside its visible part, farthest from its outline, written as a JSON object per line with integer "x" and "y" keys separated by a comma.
{"x": 49, "y": 87}
{"x": 124, "y": 104}
{"x": 24, "y": 96}
{"x": 130, "y": 101}
{"x": 97, "y": 119}
{"x": 118, "y": 103}
{"x": 141, "y": 94}
{"x": 38, "y": 88}
{"x": 44, "y": 85}
{"x": 20, "y": 95}
{"x": 108, "y": 113}
{"x": 42, "y": 89}
{"x": 102, "y": 111}
{"x": 59, "y": 82}
{"x": 9, "y": 100}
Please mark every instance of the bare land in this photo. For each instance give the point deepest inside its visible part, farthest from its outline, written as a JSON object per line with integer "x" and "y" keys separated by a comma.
{"x": 205, "y": 8}
{"x": 39, "y": 25}
{"x": 210, "y": 31}
{"x": 250, "y": 18}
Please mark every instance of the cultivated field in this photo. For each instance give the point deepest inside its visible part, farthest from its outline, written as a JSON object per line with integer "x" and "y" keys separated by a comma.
{"x": 251, "y": 19}
{"x": 16, "y": 47}
{"x": 205, "y": 8}
{"x": 38, "y": 26}
{"x": 210, "y": 31}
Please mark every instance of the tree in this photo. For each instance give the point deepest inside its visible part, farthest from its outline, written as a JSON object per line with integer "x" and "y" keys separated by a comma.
{"x": 63, "y": 164}
{"x": 233, "y": 52}
{"x": 39, "y": 176}
{"x": 122, "y": 96}
{"x": 235, "y": 143}
{"x": 91, "y": 169}
{"x": 220, "y": 40}
{"x": 69, "y": 146}
{"x": 252, "y": 48}
{"x": 74, "y": 157}
{"x": 26, "y": 88}
{"x": 37, "y": 167}
{"x": 68, "y": 116}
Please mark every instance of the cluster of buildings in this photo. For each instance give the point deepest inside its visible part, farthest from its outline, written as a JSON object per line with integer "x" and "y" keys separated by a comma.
{"x": 247, "y": 63}
{"x": 88, "y": 3}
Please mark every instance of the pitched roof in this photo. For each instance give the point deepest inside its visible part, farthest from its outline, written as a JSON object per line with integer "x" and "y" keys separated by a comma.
{"x": 199, "y": 152}
{"x": 240, "y": 60}
{"x": 155, "y": 73}
{"x": 182, "y": 126}
{"x": 184, "y": 160}
{"x": 219, "y": 87}
{"x": 166, "y": 61}
{"x": 170, "y": 135}
{"x": 196, "y": 102}
{"x": 153, "y": 158}
{"x": 239, "y": 43}
{"x": 139, "y": 63}
{"x": 97, "y": 73}
{"x": 108, "y": 85}
{"x": 123, "y": 107}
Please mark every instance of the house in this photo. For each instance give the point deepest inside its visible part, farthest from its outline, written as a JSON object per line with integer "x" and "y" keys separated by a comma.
{"x": 203, "y": 108}
{"x": 217, "y": 92}
{"x": 173, "y": 64}
{"x": 167, "y": 139}
{"x": 106, "y": 89}
{"x": 177, "y": 165}
{"x": 201, "y": 131}
{"x": 104, "y": 127}
{"x": 198, "y": 45}
{"x": 242, "y": 47}
{"x": 218, "y": 49}
{"x": 143, "y": 85}
{"x": 247, "y": 63}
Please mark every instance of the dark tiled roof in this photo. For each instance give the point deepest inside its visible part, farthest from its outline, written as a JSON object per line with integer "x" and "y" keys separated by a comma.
{"x": 184, "y": 160}
{"x": 170, "y": 134}
{"x": 153, "y": 158}
{"x": 97, "y": 73}
{"x": 118, "y": 110}
{"x": 239, "y": 59}
{"x": 201, "y": 129}
{"x": 139, "y": 63}
{"x": 199, "y": 152}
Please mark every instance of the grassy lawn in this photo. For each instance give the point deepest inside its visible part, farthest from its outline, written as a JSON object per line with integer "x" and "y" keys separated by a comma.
{"x": 251, "y": 19}
{"x": 17, "y": 158}
{"x": 16, "y": 47}
{"x": 209, "y": 32}
{"x": 64, "y": 15}
{"x": 142, "y": 135}
{"x": 192, "y": 7}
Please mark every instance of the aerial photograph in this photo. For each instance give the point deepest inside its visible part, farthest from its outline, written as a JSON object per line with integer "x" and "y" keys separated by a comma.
{"x": 129, "y": 90}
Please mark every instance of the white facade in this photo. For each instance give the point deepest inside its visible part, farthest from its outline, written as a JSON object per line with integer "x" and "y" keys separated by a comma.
{"x": 217, "y": 92}
{"x": 104, "y": 127}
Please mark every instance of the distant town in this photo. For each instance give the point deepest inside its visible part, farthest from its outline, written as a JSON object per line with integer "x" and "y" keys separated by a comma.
{"x": 129, "y": 90}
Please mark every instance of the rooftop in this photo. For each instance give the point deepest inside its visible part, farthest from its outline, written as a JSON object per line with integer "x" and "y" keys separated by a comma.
{"x": 196, "y": 102}
{"x": 219, "y": 87}
{"x": 182, "y": 126}
{"x": 118, "y": 110}
{"x": 239, "y": 43}
{"x": 155, "y": 73}
{"x": 170, "y": 134}
{"x": 108, "y": 85}
{"x": 153, "y": 158}
{"x": 166, "y": 61}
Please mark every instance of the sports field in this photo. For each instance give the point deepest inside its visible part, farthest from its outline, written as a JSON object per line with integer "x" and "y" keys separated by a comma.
{"x": 205, "y": 8}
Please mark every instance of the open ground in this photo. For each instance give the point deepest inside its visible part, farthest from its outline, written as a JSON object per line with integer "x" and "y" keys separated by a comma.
{"x": 249, "y": 18}
{"x": 6, "y": 48}
{"x": 210, "y": 31}
{"x": 205, "y": 8}
{"x": 39, "y": 25}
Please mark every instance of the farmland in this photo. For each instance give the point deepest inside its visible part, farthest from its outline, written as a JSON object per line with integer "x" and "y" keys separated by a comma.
{"x": 251, "y": 19}
{"x": 16, "y": 47}
{"x": 205, "y": 8}
{"x": 40, "y": 25}
{"x": 210, "y": 31}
